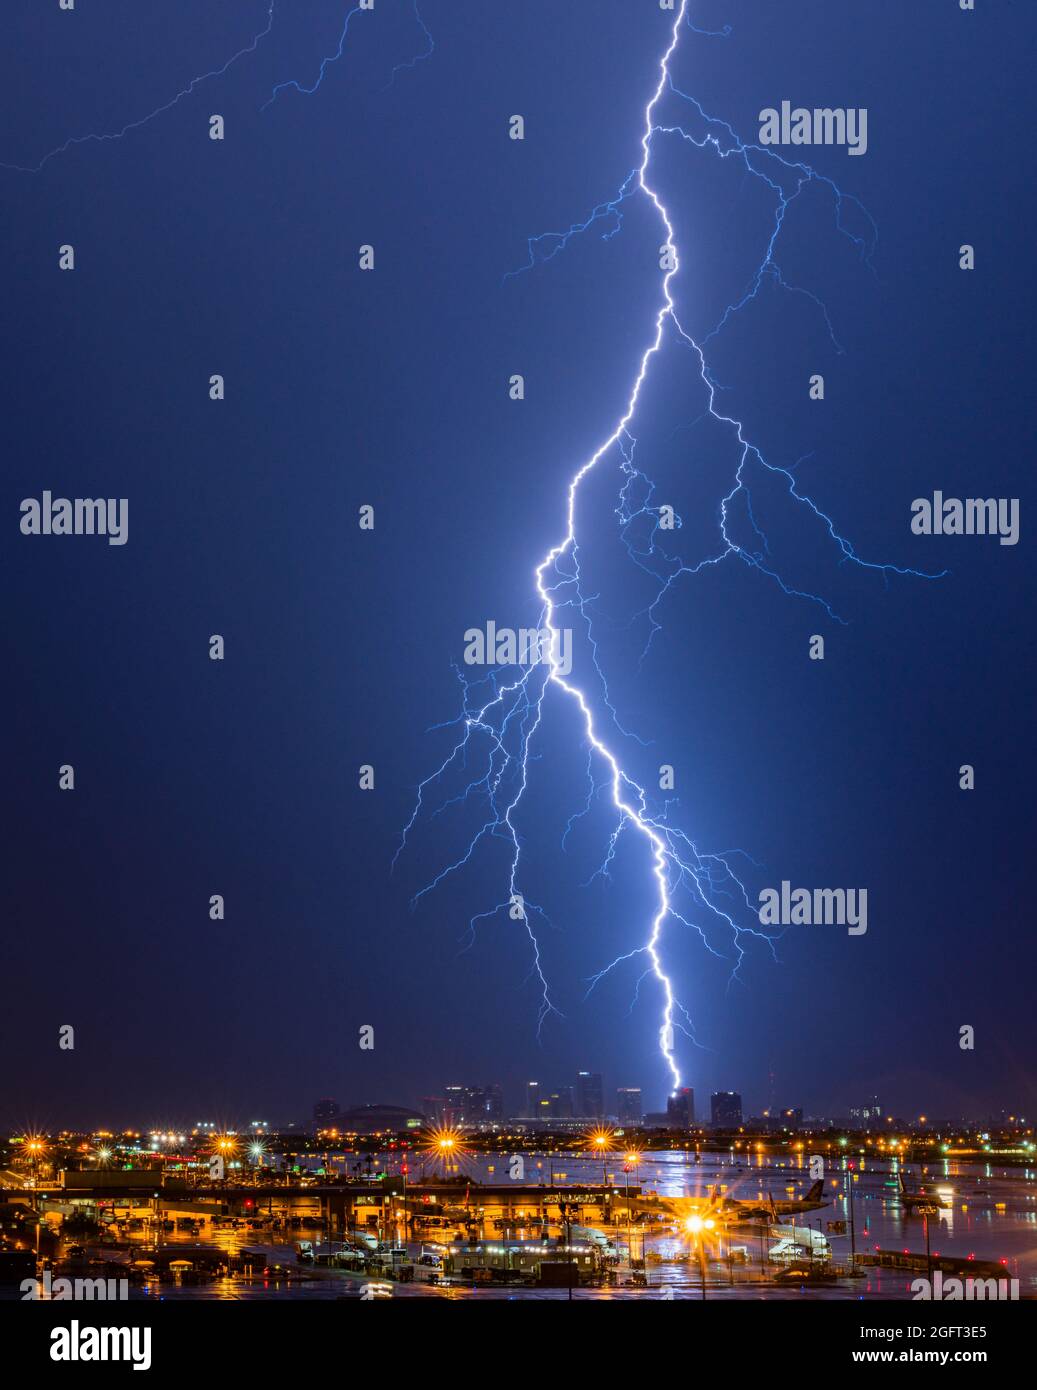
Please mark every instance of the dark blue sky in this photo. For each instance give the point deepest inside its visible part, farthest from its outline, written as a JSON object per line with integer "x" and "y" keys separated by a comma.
{"x": 239, "y": 257}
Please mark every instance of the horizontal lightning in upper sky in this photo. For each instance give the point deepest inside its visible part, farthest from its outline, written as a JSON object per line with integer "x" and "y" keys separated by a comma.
{"x": 107, "y": 137}
{"x": 151, "y": 115}
{"x": 430, "y": 48}
{"x": 325, "y": 63}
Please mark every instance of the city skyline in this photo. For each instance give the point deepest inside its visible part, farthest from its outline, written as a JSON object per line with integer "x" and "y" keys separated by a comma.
{"x": 216, "y": 907}
{"x": 863, "y": 1112}
{"x": 518, "y": 556}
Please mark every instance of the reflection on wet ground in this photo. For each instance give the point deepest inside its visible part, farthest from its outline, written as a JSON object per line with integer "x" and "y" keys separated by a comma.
{"x": 989, "y": 1214}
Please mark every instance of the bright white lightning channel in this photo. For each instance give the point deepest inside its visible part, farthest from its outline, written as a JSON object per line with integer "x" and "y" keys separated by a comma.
{"x": 515, "y": 710}
{"x": 515, "y": 705}
{"x": 632, "y": 808}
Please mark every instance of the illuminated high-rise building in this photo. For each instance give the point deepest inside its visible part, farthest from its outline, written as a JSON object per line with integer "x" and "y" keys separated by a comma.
{"x": 433, "y": 1108}
{"x": 590, "y": 1096}
{"x": 493, "y": 1101}
{"x": 472, "y": 1105}
{"x": 680, "y": 1108}
{"x": 628, "y": 1105}
{"x": 561, "y": 1104}
{"x": 725, "y": 1109}
{"x": 532, "y": 1100}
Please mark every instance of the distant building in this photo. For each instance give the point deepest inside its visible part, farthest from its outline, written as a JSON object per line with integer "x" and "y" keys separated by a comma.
{"x": 590, "y": 1095}
{"x": 543, "y": 1109}
{"x": 377, "y": 1119}
{"x": 324, "y": 1111}
{"x": 792, "y": 1116}
{"x": 494, "y": 1108}
{"x": 459, "y": 1103}
{"x": 433, "y": 1107}
{"x": 560, "y": 1105}
{"x": 680, "y": 1108}
{"x": 472, "y": 1105}
{"x": 532, "y": 1100}
{"x": 628, "y": 1105}
{"x": 867, "y": 1113}
{"x": 725, "y": 1109}
{"x": 657, "y": 1119}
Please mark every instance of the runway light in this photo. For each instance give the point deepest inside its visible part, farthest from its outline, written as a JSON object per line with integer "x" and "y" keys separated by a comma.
{"x": 444, "y": 1144}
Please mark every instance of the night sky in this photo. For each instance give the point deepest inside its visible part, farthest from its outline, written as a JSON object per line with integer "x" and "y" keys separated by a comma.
{"x": 390, "y": 387}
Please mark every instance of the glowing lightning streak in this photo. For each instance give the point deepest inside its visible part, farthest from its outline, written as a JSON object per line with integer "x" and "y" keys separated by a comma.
{"x": 633, "y": 810}
{"x": 159, "y": 111}
{"x": 676, "y": 862}
{"x": 430, "y": 48}
{"x": 704, "y": 876}
{"x": 296, "y": 86}
{"x": 325, "y": 64}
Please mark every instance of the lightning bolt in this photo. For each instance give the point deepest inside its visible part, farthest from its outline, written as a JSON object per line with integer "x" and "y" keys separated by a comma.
{"x": 187, "y": 90}
{"x": 430, "y": 48}
{"x": 498, "y": 728}
{"x": 158, "y": 111}
{"x": 325, "y": 64}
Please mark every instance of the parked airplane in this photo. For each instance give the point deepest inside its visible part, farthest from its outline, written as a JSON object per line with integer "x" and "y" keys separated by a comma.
{"x": 730, "y": 1208}
{"x": 590, "y": 1235}
{"x": 920, "y": 1201}
{"x": 718, "y": 1208}
{"x": 796, "y": 1243}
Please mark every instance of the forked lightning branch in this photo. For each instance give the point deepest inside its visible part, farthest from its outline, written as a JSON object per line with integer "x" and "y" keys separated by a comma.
{"x": 504, "y": 711}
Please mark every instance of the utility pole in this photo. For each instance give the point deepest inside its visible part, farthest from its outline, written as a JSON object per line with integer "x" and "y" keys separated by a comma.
{"x": 567, "y": 1227}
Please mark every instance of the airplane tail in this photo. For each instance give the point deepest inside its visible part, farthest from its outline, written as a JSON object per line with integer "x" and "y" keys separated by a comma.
{"x": 814, "y": 1195}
